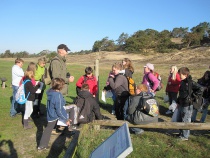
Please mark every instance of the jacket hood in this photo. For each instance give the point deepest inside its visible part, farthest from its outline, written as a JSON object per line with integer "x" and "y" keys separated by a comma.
{"x": 85, "y": 94}
{"x": 51, "y": 93}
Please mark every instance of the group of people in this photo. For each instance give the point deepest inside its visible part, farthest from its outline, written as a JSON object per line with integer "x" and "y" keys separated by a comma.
{"x": 125, "y": 107}
{"x": 179, "y": 85}
{"x": 56, "y": 104}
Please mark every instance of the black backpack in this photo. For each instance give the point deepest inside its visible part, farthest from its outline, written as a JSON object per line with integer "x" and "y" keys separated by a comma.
{"x": 195, "y": 98}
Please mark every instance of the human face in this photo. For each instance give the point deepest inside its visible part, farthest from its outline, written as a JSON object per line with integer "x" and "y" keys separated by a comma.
{"x": 20, "y": 64}
{"x": 42, "y": 64}
{"x": 182, "y": 76}
{"x": 146, "y": 69}
{"x": 171, "y": 70}
{"x": 123, "y": 62}
{"x": 115, "y": 71}
{"x": 62, "y": 52}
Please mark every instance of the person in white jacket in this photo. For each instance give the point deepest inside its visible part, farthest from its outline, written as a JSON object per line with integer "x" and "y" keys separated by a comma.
{"x": 17, "y": 74}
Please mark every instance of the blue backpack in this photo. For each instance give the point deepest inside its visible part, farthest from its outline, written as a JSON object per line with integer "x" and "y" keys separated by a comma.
{"x": 20, "y": 95}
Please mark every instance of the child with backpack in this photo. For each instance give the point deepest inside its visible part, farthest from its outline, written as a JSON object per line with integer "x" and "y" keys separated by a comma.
{"x": 30, "y": 91}
{"x": 55, "y": 111}
{"x": 90, "y": 79}
{"x": 205, "y": 82}
{"x": 149, "y": 79}
{"x": 184, "y": 101}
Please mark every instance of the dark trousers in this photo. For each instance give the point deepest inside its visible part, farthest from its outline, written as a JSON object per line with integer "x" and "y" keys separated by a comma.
{"x": 172, "y": 96}
{"x": 46, "y": 134}
{"x": 36, "y": 108}
{"x": 119, "y": 109}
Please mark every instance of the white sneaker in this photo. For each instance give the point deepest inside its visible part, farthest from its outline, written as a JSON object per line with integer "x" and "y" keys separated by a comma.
{"x": 168, "y": 112}
{"x": 113, "y": 112}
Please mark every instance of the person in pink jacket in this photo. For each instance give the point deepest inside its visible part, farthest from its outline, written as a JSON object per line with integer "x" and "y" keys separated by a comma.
{"x": 149, "y": 79}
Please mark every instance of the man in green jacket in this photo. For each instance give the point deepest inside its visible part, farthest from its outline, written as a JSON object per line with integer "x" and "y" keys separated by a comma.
{"x": 58, "y": 67}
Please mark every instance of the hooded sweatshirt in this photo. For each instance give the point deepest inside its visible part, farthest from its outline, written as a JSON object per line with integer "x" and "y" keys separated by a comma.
{"x": 55, "y": 106}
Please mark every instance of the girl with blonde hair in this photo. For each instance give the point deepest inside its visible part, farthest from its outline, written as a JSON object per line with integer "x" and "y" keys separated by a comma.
{"x": 173, "y": 85}
{"x": 30, "y": 91}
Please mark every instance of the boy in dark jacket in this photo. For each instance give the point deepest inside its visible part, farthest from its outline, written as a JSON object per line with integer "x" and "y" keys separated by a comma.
{"x": 184, "y": 100}
{"x": 88, "y": 107}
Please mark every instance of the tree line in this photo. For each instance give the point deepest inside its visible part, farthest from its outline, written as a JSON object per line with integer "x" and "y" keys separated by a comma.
{"x": 142, "y": 41}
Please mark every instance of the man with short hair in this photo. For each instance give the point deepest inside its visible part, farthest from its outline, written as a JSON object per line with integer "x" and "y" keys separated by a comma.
{"x": 17, "y": 74}
{"x": 58, "y": 67}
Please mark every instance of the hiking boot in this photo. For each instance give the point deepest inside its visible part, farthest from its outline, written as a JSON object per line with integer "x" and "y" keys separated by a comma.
{"x": 26, "y": 125}
{"x": 141, "y": 131}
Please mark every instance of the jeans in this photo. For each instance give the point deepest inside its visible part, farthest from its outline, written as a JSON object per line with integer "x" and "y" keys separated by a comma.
{"x": 204, "y": 113}
{"x": 126, "y": 107}
{"x": 14, "y": 103}
{"x": 186, "y": 114}
{"x": 114, "y": 100}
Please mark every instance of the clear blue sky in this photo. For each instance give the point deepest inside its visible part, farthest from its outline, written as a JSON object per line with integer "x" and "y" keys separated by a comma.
{"x": 36, "y": 25}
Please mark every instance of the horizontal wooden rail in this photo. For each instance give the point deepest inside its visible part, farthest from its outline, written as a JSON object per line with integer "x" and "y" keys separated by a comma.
{"x": 162, "y": 125}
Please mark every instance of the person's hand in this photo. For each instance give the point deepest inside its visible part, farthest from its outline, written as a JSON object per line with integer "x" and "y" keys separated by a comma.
{"x": 169, "y": 83}
{"x": 111, "y": 75}
{"x": 71, "y": 79}
{"x": 151, "y": 90}
{"x": 68, "y": 122}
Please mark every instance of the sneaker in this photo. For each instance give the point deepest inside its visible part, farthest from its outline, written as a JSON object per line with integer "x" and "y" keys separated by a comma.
{"x": 12, "y": 116}
{"x": 182, "y": 138}
{"x": 42, "y": 148}
{"x": 141, "y": 131}
{"x": 168, "y": 112}
{"x": 113, "y": 112}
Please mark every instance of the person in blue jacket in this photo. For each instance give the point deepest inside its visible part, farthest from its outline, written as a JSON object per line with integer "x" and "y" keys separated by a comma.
{"x": 55, "y": 111}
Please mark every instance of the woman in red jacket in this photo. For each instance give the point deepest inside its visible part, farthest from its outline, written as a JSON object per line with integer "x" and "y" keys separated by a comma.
{"x": 173, "y": 85}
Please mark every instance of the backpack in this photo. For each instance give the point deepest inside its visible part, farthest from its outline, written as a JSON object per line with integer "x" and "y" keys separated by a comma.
{"x": 86, "y": 79}
{"x": 131, "y": 86}
{"x": 196, "y": 99}
{"x": 20, "y": 95}
{"x": 149, "y": 105}
{"x": 47, "y": 77}
{"x": 160, "y": 85}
